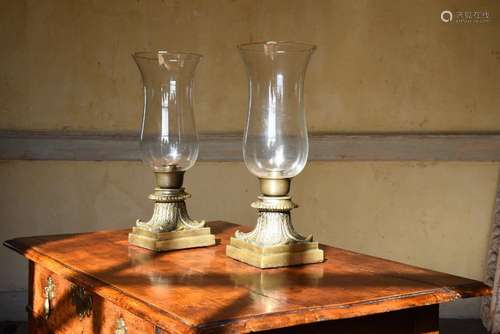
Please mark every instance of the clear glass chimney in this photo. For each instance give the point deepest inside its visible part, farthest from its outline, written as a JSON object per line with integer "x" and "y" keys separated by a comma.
{"x": 169, "y": 140}
{"x": 275, "y": 141}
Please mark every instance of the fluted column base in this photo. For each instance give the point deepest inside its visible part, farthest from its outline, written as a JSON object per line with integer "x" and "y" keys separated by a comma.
{"x": 170, "y": 226}
{"x": 274, "y": 242}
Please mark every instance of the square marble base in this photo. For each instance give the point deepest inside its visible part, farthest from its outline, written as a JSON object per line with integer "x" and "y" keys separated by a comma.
{"x": 165, "y": 241}
{"x": 276, "y": 256}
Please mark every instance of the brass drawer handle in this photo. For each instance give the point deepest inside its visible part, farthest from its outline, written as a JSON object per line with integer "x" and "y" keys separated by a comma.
{"x": 49, "y": 291}
{"x": 121, "y": 327}
{"x": 82, "y": 301}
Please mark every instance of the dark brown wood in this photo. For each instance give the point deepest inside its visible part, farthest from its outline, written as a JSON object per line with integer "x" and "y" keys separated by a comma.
{"x": 31, "y": 284}
{"x": 427, "y": 320}
{"x": 203, "y": 291}
{"x": 420, "y": 320}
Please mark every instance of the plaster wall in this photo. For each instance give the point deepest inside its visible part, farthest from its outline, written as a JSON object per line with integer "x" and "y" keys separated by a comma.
{"x": 380, "y": 65}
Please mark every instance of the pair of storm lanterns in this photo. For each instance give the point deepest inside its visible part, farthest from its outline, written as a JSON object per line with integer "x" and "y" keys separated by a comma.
{"x": 275, "y": 149}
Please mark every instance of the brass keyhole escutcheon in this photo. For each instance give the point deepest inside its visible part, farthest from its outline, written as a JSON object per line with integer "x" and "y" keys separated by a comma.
{"x": 82, "y": 301}
{"x": 50, "y": 292}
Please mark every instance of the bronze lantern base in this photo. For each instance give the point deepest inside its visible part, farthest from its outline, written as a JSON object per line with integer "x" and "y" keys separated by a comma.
{"x": 165, "y": 241}
{"x": 170, "y": 227}
{"x": 274, "y": 242}
{"x": 274, "y": 256}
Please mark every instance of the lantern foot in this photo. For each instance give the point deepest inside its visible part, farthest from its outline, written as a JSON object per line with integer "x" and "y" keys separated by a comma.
{"x": 274, "y": 242}
{"x": 165, "y": 241}
{"x": 170, "y": 227}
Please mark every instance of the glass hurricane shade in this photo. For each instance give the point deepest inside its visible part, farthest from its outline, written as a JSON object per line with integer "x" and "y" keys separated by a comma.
{"x": 275, "y": 141}
{"x": 169, "y": 140}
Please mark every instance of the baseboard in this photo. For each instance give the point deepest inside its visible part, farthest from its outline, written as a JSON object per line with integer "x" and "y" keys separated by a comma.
{"x": 461, "y": 309}
{"x": 13, "y": 305}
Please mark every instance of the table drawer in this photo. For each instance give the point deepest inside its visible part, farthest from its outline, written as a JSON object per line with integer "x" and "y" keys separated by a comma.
{"x": 59, "y": 306}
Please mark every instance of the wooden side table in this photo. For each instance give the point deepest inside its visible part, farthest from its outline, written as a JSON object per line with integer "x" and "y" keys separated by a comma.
{"x": 98, "y": 283}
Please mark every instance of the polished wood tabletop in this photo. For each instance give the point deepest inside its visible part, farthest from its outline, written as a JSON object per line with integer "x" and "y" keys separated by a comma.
{"x": 198, "y": 290}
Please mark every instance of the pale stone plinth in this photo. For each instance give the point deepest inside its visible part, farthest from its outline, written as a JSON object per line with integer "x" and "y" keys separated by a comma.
{"x": 165, "y": 241}
{"x": 275, "y": 256}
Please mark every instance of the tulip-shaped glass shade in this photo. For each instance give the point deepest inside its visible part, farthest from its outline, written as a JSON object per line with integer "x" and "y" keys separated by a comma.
{"x": 275, "y": 141}
{"x": 169, "y": 140}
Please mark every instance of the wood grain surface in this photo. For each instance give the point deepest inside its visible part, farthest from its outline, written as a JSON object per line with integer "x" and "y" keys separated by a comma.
{"x": 202, "y": 290}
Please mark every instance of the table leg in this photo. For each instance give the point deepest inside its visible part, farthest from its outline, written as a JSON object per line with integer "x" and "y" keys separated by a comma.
{"x": 427, "y": 319}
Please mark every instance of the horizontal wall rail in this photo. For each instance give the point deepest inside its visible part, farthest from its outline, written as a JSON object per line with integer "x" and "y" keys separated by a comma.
{"x": 227, "y": 147}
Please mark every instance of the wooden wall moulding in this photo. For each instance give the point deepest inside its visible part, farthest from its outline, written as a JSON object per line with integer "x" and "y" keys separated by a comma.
{"x": 23, "y": 145}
